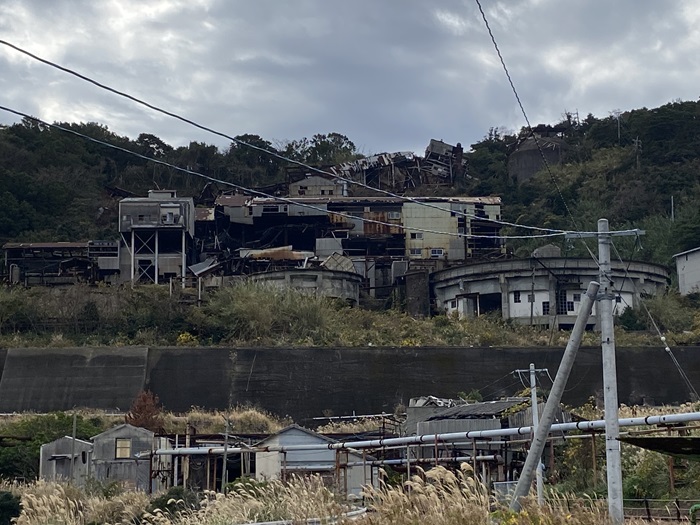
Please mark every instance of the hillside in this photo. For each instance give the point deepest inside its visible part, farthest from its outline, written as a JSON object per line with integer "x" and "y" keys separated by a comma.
{"x": 56, "y": 186}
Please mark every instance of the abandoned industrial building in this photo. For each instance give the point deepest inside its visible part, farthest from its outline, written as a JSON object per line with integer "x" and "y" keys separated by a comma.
{"x": 431, "y": 254}
{"x": 336, "y": 246}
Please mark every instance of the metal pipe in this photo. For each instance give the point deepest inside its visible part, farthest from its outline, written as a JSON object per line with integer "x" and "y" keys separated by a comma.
{"x": 585, "y": 426}
{"x": 429, "y": 461}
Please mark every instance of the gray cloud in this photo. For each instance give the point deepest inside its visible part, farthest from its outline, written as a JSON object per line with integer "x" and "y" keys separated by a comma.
{"x": 390, "y": 75}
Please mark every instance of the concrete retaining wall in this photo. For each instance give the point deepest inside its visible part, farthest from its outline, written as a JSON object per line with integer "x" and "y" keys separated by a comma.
{"x": 308, "y": 382}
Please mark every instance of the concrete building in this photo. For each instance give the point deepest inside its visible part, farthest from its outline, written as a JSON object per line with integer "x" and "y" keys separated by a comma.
{"x": 345, "y": 470}
{"x": 122, "y": 454}
{"x": 335, "y": 284}
{"x": 156, "y": 232}
{"x": 688, "y": 268}
{"x": 316, "y": 185}
{"x": 539, "y": 291}
{"x": 55, "y": 461}
{"x": 457, "y": 217}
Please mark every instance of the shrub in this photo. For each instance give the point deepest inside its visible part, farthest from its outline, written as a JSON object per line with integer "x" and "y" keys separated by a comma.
{"x": 9, "y": 507}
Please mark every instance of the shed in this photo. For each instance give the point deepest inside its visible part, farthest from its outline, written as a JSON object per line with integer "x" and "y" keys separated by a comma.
{"x": 508, "y": 455}
{"x": 346, "y": 471}
{"x": 122, "y": 454}
{"x": 55, "y": 460}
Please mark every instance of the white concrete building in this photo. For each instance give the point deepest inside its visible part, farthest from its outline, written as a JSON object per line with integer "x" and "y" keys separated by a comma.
{"x": 543, "y": 291}
{"x": 688, "y": 268}
{"x": 343, "y": 470}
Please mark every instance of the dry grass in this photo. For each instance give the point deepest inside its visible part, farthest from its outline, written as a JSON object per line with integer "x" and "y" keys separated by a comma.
{"x": 60, "y": 504}
{"x": 370, "y": 424}
{"x": 434, "y": 497}
{"x": 243, "y": 420}
{"x": 297, "y": 500}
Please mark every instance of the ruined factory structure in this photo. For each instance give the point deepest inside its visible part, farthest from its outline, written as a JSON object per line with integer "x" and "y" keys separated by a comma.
{"x": 318, "y": 232}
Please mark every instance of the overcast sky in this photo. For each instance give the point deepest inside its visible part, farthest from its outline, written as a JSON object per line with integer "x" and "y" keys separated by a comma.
{"x": 390, "y": 74}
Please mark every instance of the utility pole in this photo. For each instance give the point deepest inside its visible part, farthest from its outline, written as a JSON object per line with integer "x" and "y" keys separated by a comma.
{"x": 535, "y": 422}
{"x": 567, "y": 362}
{"x": 607, "y": 336}
{"x": 224, "y": 468}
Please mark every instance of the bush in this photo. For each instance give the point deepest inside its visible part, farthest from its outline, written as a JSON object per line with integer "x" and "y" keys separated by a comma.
{"x": 175, "y": 500}
{"x": 9, "y": 507}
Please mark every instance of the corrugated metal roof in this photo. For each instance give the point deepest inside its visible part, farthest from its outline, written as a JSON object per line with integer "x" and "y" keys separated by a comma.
{"x": 488, "y": 409}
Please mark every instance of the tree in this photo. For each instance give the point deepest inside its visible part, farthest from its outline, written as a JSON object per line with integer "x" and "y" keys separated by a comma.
{"x": 21, "y": 458}
{"x": 146, "y": 412}
{"x": 252, "y": 165}
{"x": 329, "y": 149}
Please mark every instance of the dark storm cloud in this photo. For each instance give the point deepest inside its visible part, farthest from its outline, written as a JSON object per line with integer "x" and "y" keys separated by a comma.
{"x": 390, "y": 75}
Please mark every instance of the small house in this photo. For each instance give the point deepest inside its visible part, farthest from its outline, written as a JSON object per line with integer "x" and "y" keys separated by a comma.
{"x": 66, "y": 459}
{"x": 346, "y": 471}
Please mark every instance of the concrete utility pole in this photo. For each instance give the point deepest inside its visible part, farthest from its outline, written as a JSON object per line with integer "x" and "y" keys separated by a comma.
{"x": 535, "y": 422}
{"x": 607, "y": 336}
{"x": 567, "y": 361}
{"x": 224, "y": 469}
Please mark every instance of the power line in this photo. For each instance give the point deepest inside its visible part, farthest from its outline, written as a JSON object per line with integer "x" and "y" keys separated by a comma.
{"x": 662, "y": 337}
{"x": 272, "y": 153}
{"x": 529, "y": 127}
{"x": 267, "y": 195}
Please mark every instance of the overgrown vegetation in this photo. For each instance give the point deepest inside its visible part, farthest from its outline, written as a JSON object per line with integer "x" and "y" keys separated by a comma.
{"x": 254, "y": 314}
{"x": 433, "y": 497}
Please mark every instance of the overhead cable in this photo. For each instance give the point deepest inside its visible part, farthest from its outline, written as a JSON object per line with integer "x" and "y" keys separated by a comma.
{"x": 270, "y": 152}
{"x": 267, "y": 195}
{"x": 660, "y": 334}
{"x": 529, "y": 127}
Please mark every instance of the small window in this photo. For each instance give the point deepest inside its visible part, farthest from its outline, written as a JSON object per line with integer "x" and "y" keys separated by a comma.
{"x": 323, "y": 192}
{"x": 122, "y": 448}
{"x": 437, "y": 252}
{"x": 453, "y": 303}
{"x": 516, "y": 297}
{"x": 545, "y": 307}
{"x": 415, "y": 251}
{"x": 577, "y": 297}
{"x": 330, "y": 192}
{"x": 569, "y": 306}
{"x": 417, "y": 235}
{"x": 394, "y": 215}
{"x": 531, "y": 298}
{"x": 618, "y": 299}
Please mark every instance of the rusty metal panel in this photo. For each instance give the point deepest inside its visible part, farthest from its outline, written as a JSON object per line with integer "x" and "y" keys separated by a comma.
{"x": 372, "y": 228}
